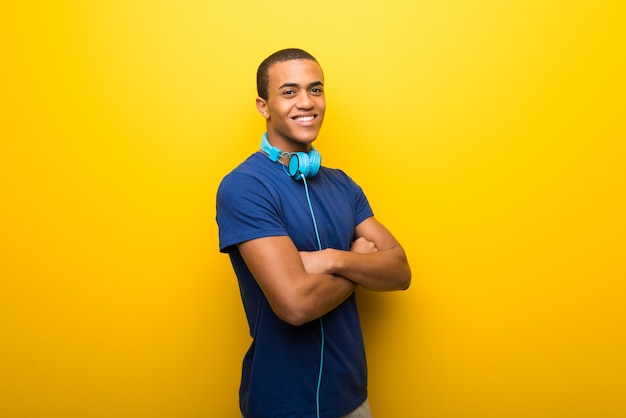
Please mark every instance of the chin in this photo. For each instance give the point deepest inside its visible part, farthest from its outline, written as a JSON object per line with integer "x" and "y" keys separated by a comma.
{"x": 307, "y": 137}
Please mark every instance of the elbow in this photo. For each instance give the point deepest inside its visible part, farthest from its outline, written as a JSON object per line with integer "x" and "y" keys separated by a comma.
{"x": 403, "y": 272}
{"x": 295, "y": 318}
{"x": 404, "y": 285}
{"x": 294, "y": 315}
{"x": 295, "y": 305}
{"x": 405, "y": 279}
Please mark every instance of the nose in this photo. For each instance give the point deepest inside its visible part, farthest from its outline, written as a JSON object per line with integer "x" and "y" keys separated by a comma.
{"x": 305, "y": 101}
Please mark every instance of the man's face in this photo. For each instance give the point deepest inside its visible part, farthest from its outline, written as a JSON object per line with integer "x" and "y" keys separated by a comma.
{"x": 295, "y": 106}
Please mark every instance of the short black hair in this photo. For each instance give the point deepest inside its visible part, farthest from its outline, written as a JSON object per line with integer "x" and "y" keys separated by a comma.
{"x": 262, "y": 75}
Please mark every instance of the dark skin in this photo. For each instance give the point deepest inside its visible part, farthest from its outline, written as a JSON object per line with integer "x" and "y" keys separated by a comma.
{"x": 306, "y": 285}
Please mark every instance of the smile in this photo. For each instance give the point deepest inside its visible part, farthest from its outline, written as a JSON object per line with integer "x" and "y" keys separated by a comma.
{"x": 304, "y": 118}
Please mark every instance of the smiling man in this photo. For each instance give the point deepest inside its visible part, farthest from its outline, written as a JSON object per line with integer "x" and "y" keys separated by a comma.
{"x": 301, "y": 238}
{"x": 291, "y": 98}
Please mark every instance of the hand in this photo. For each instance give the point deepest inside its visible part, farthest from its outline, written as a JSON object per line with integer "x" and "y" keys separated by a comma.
{"x": 363, "y": 246}
{"x": 314, "y": 261}
{"x": 321, "y": 261}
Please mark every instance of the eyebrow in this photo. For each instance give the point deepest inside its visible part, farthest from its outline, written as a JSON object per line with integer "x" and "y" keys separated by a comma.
{"x": 313, "y": 84}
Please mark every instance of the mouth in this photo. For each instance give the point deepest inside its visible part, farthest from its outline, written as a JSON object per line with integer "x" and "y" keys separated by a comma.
{"x": 304, "y": 119}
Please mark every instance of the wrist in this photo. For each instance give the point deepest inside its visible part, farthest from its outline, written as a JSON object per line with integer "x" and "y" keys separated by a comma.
{"x": 333, "y": 261}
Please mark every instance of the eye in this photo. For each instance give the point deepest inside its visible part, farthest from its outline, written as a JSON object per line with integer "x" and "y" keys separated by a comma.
{"x": 289, "y": 92}
{"x": 317, "y": 91}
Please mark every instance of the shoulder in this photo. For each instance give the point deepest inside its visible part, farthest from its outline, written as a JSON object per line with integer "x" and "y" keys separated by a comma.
{"x": 336, "y": 175}
{"x": 246, "y": 167}
{"x": 248, "y": 203}
{"x": 251, "y": 173}
{"x": 339, "y": 178}
{"x": 338, "y": 186}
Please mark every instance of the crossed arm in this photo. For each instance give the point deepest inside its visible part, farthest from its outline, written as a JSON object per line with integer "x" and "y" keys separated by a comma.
{"x": 302, "y": 286}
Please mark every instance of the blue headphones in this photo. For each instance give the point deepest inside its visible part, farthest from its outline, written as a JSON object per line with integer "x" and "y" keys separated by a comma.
{"x": 301, "y": 164}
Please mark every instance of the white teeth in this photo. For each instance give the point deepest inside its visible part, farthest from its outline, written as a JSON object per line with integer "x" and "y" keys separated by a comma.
{"x": 305, "y": 118}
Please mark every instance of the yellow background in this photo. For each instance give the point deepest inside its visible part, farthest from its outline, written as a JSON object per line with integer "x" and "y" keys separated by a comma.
{"x": 489, "y": 136}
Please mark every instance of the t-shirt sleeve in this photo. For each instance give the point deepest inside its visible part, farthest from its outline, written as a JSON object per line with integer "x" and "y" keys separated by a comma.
{"x": 246, "y": 209}
{"x": 363, "y": 208}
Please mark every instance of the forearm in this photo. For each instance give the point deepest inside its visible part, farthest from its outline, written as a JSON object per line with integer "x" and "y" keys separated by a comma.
{"x": 295, "y": 295}
{"x": 382, "y": 270}
{"x": 316, "y": 295}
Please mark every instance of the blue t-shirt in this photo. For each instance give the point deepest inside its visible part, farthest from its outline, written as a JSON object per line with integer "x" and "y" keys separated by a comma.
{"x": 280, "y": 369}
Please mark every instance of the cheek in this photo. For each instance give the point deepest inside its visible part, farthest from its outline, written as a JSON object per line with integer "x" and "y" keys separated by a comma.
{"x": 281, "y": 110}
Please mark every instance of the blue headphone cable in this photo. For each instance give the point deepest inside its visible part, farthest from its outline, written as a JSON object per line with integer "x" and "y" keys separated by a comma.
{"x": 319, "y": 245}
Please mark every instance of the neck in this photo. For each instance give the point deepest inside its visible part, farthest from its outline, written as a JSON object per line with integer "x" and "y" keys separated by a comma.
{"x": 277, "y": 154}
{"x": 286, "y": 143}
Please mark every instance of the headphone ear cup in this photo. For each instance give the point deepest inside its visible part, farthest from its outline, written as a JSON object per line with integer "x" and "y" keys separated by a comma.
{"x": 315, "y": 159}
{"x": 297, "y": 165}
{"x": 304, "y": 165}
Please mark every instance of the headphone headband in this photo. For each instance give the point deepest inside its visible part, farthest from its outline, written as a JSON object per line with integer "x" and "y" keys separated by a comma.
{"x": 273, "y": 153}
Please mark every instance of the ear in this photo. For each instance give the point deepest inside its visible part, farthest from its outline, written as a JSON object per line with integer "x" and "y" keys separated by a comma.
{"x": 261, "y": 105}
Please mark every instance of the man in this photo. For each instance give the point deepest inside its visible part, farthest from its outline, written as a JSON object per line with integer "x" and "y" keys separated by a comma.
{"x": 301, "y": 239}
